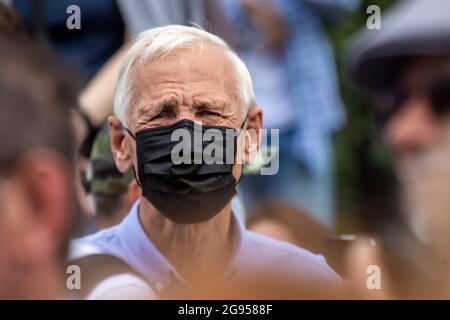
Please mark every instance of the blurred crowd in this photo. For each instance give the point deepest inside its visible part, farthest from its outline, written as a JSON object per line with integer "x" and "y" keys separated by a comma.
{"x": 90, "y": 92}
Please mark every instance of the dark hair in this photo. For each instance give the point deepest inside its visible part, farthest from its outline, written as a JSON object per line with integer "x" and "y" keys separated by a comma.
{"x": 36, "y": 96}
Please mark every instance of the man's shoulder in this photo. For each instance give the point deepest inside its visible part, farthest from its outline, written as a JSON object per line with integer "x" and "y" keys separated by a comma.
{"x": 104, "y": 241}
{"x": 289, "y": 259}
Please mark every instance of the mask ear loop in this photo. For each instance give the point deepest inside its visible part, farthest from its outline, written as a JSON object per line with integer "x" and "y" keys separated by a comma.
{"x": 240, "y": 131}
{"x": 135, "y": 177}
{"x": 130, "y": 133}
{"x": 133, "y": 168}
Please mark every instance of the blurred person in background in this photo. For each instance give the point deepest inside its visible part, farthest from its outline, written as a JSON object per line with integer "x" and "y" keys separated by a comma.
{"x": 112, "y": 193}
{"x": 104, "y": 25}
{"x": 405, "y": 65}
{"x": 284, "y": 45}
{"x": 183, "y": 228}
{"x": 100, "y": 34}
{"x": 11, "y": 26}
{"x": 36, "y": 163}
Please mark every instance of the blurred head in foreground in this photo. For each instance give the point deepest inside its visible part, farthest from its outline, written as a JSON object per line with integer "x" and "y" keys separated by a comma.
{"x": 405, "y": 65}
{"x": 35, "y": 173}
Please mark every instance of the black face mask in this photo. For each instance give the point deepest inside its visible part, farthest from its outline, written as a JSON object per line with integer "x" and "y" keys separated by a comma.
{"x": 186, "y": 192}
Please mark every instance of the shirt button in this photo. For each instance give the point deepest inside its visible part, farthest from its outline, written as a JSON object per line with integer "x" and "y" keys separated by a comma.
{"x": 159, "y": 286}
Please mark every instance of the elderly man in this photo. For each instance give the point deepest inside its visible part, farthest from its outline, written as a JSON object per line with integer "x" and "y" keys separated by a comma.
{"x": 183, "y": 227}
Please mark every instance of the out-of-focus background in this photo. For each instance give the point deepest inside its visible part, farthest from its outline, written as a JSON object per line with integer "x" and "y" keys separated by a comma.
{"x": 339, "y": 166}
{"x": 364, "y": 169}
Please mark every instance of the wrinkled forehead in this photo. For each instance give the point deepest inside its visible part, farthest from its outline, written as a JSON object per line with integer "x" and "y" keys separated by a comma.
{"x": 204, "y": 66}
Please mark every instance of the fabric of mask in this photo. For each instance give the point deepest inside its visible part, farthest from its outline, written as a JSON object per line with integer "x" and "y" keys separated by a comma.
{"x": 193, "y": 191}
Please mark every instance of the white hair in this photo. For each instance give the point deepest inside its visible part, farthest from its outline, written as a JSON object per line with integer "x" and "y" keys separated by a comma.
{"x": 160, "y": 41}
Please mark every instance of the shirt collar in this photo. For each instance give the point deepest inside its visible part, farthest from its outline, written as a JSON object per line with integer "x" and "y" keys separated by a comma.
{"x": 141, "y": 253}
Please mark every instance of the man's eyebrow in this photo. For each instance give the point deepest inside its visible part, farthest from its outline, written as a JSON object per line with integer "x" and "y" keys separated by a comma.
{"x": 215, "y": 104}
{"x": 157, "y": 106}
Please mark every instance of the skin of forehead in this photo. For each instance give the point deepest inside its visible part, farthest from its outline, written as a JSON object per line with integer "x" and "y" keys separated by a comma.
{"x": 205, "y": 70}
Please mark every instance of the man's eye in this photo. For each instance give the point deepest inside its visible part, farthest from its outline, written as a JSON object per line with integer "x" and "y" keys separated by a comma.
{"x": 161, "y": 115}
{"x": 208, "y": 113}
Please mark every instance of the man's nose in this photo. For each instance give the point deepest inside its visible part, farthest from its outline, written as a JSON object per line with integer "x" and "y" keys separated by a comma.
{"x": 413, "y": 128}
{"x": 186, "y": 114}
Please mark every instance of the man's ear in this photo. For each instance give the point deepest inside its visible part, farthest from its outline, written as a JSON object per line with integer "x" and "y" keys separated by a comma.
{"x": 43, "y": 216}
{"x": 120, "y": 149}
{"x": 253, "y": 134}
